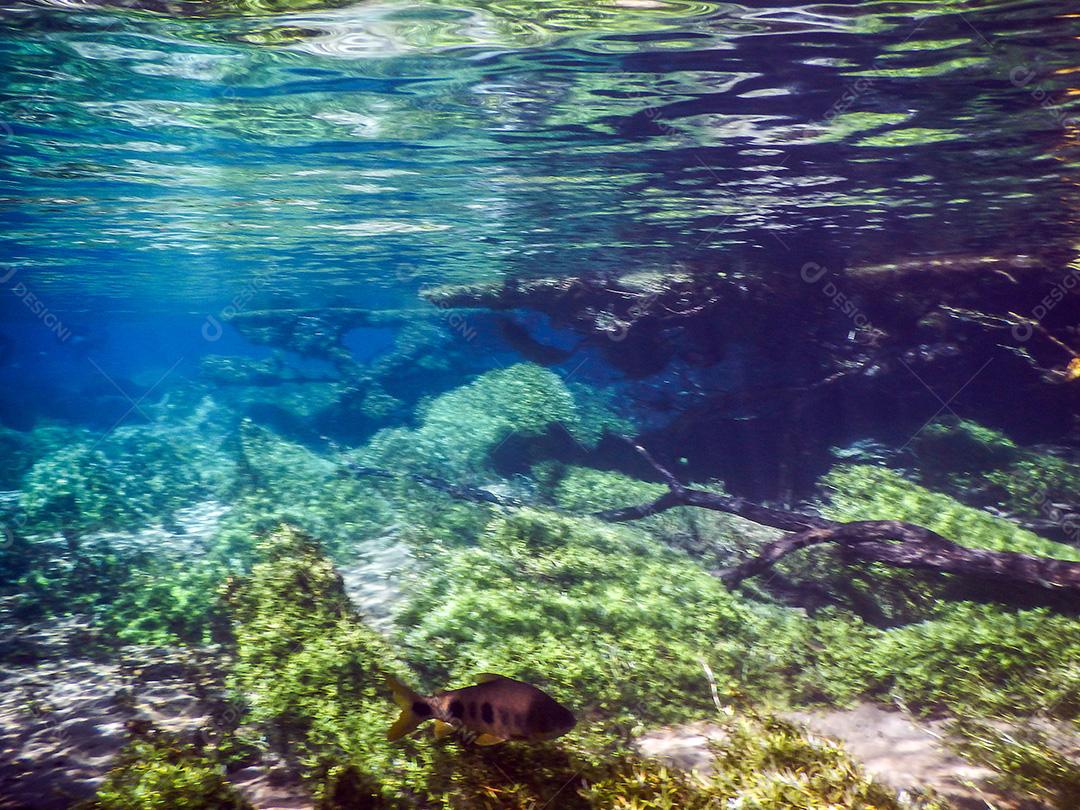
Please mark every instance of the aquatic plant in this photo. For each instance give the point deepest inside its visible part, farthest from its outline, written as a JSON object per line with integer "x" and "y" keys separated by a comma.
{"x": 584, "y": 490}
{"x": 132, "y": 476}
{"x": 461, "y": 428}
{"x": 1024, "y": 758}
{"x": 162, "y": 601}
{"x": 595, "y": 613}
{"x": 970, "y": 660}
{"x": 984, "y": 467}
{"x": 162, "y": 772}
{"x": 982, "y": 659}
{"x": 962, "y": 445}
{"x": 284, "y": 481}
{"x": 1035, "y": 484}
{"x": 836, "y": 658}
{"x": 130, "y": 593}
{"x": 768, "y": 763}
{"x": 859, "y": 492}
{"x": 313, "y": 675}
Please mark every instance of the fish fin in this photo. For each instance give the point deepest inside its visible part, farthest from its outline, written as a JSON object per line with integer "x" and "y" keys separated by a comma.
{"x": 408, "y": 720}
{"x": 484, "y": 677}
{"x": 489, "y": 739}
{"x": 443, "y": 729}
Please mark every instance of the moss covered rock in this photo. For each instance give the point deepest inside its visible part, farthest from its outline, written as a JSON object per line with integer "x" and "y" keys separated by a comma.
{"x": 313, "y": 675}
{"x": 130, "y": 477}
{"x": 985, "y": 468}
{"x": 460, "y": 429}
{"x": 606, "y": 617}
{"x": 860, "y": 492}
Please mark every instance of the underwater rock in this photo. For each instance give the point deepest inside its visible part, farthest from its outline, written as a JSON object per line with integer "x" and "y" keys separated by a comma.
{"x": 461, "y": 429}
{"x": 429, "y": 355}
{"x": 379, "y": 406}
{"x": 603, "y": 307}
{"x": 313, "y": 674}
{"x": 320, "y": 333}
{"x": 297, "y": 409}
{"x": 529, "y": 347}
{"x": 227, "y": 370}
{"x": 909, "y": 755}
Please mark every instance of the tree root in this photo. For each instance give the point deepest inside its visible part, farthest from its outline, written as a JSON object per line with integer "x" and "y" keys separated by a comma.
{"x": 892, "y": 542}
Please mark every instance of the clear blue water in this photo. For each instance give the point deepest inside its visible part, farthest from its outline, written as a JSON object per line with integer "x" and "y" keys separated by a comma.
{"x": 156, "y": 167}
{"x": 171, "y": 172}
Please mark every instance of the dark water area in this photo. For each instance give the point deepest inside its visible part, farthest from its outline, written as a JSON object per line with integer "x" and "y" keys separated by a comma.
{"x": 382, "y": 289}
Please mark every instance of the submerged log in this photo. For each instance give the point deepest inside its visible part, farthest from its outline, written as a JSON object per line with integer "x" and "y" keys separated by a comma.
{"x": 891, "y": 542}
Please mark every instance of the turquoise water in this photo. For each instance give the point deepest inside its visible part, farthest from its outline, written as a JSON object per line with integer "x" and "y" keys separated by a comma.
{"x": 403, "y": 278}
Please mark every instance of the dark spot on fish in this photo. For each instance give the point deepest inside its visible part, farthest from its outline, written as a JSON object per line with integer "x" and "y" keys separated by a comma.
{"x": 487, "y": 714}
{"x": 457, "y": 709}
{"x": 472, "y": 711}
{"x": 421, "y": 708}
{"x": 548, "y": 716}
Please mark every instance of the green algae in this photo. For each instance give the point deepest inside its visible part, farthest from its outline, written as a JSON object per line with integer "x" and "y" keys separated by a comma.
{"x": 622, "y": 622}
{"x": 984, "y": 466}
{"x": 162, "y": 772}
{"x": 967, "y": 658}
{"x": 311, "y": 675}
{"x": 860, "y": 492}
{"x": 596, "y": 613}
{"x": 130, "y": 477}
{"x": 1026, "y": 760}
{"x": 459, "y": 430}
{"x": 981, "y": 660}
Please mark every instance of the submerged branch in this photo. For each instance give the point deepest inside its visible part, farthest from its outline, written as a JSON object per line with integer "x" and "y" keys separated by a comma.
{"x": 892, "y": 542}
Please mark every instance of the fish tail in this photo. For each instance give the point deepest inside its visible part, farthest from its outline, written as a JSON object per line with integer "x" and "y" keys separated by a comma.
{"x": 408, "y": 720}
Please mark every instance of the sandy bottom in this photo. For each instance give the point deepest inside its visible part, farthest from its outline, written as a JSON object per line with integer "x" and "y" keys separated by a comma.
{"x": 65, "y": 717}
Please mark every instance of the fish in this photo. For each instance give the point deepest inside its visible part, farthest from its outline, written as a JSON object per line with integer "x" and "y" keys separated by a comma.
{"x": 494, "y": 710}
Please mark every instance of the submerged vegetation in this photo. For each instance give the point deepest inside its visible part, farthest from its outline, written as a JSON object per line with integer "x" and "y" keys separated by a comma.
{"x": 623, "y": 622}
{"x": 985, "y": 467}
{"x": 162, "y": 772}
